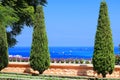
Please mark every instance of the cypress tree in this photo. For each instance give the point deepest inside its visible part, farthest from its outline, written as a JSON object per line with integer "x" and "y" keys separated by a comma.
{"x": 7, "y": 16}
{"x": 103, "y": 57}
{"x": 39, "y": 57}
{"x": 3, "y": 48}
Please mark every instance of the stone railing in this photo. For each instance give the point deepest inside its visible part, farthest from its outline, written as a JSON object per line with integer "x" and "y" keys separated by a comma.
{"x": 60, "y": 69}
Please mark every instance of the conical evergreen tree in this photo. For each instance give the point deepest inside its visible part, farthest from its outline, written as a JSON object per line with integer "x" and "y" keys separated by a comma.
{"x": 7, "y": 16}
{"x": 3, "y": 48}
{"x": 103, "y": 57}
{"x": 39, "y": 57}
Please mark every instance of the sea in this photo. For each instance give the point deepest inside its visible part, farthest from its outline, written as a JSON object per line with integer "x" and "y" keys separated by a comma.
{"x": 60, "y": 52}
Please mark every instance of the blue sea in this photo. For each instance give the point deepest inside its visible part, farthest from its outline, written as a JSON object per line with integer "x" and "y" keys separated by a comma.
{"x": 60, "y": 52}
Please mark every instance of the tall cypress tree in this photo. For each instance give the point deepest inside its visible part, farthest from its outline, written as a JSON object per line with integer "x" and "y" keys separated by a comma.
{"x": 3, "y": 48}
{"x": 7, "y": 16}
{"x": 103, "y": 57}
{"x": 39, "y": 57}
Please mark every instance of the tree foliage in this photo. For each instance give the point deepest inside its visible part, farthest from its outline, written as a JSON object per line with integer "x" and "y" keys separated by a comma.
{"x": 3, "y": 48}
{"x": 103, "y": 58}
{"x": 25, "y": 11}
{"x": 7, "y": 17}
{"x": 39, "y": 57}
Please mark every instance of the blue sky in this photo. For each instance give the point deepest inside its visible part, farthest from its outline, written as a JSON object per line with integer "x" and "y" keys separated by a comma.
{"x": 74, "y": 23}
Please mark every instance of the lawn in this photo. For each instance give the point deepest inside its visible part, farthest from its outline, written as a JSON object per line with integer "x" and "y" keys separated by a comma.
{"x": 16, "y": 76}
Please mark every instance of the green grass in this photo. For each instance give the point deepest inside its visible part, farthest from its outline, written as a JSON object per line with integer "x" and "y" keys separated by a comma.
{"x": 16, "y": 76}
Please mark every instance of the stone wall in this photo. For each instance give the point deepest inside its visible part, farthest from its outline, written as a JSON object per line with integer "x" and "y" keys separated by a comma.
{"x": 60, "y": 69}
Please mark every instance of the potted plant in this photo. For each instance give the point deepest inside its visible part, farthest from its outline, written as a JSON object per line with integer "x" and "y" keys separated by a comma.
{"x": 67, "y": 60}
{"x": 81, "y": 61}
{"x": 87, "y": 62}
{"x": 76, "y": 61}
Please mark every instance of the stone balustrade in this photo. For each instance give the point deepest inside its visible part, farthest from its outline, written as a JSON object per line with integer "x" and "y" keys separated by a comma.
{"x": 60, "y": 69}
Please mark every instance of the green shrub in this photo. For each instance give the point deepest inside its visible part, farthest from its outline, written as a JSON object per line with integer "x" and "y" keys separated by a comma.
{"x": 57, "y": 60}
{"x": 117, "y": 59}
{"x": 81, "y": 61}
{"x": 67, "y": 60}
{"x": 52, "y": 61}
{"x": 87, "y": 62}
{"x": 72, "y": 60}
{"x": 62, "y": 60}
{"x": 76, "y": 61}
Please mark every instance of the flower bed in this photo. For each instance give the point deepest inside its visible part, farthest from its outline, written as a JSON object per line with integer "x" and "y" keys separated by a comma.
{"x": 73, "y": 61}
{"x": 18, "y": 59}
